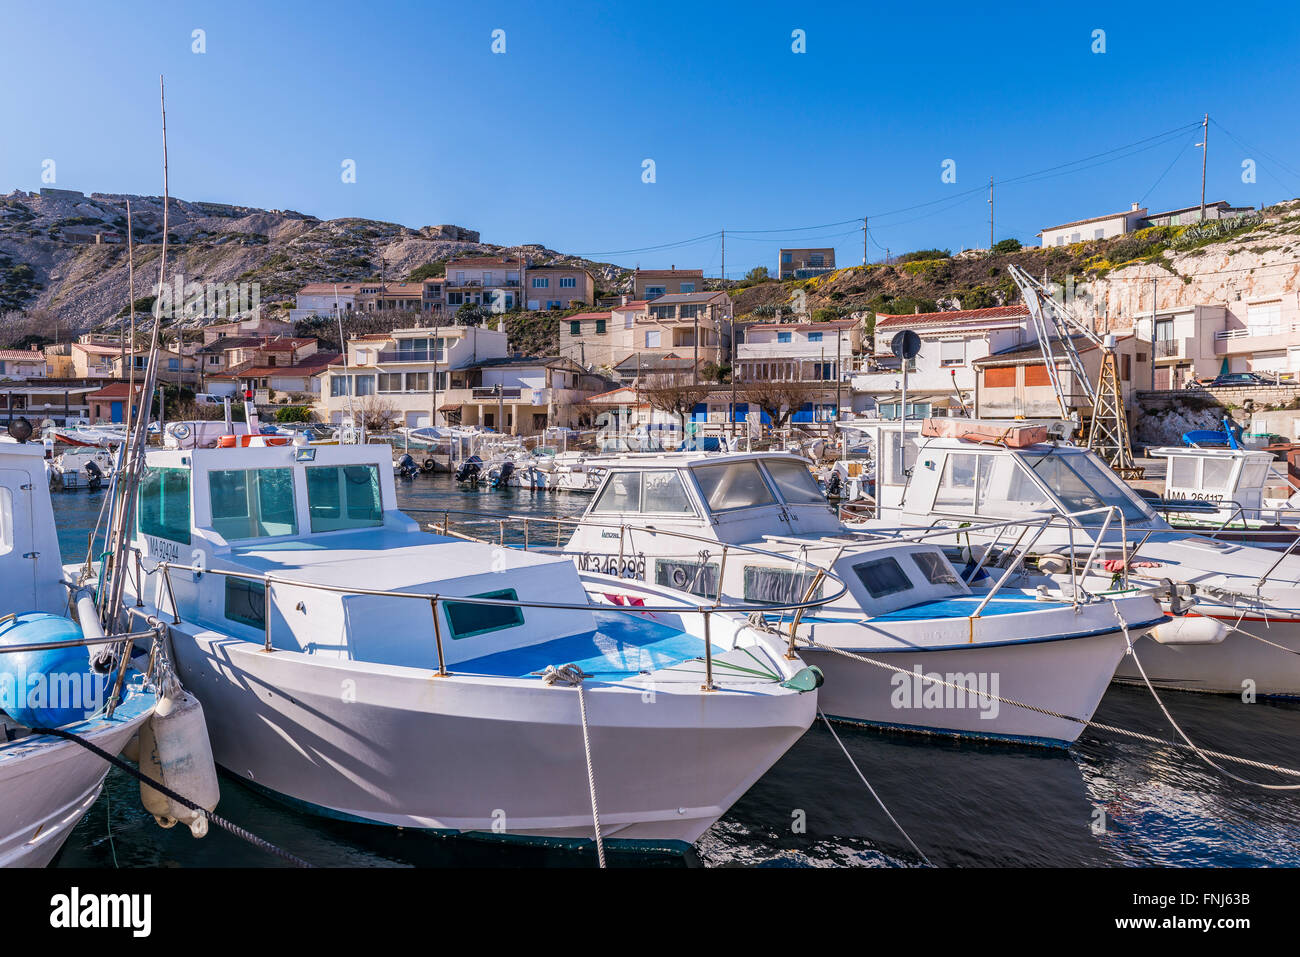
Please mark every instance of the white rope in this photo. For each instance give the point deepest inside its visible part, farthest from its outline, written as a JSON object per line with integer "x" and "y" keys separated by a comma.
{"x": 891, "y": 817}
{"x": 571, "y": 674}
{"x": 1203, "y": 755}
{"x": 1123, "y": 732}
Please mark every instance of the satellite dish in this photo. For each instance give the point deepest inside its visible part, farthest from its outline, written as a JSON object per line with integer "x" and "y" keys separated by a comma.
{"x": 905, "y": 344}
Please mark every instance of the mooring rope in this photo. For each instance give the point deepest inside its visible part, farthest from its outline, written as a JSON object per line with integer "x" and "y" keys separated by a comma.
{"x": 158, "y": 786}
{"x": 1203, "y": 755}
{"x": 907, "y": 837}
{"x": 1096, "y": 725}
{"x": 571, "y": 674}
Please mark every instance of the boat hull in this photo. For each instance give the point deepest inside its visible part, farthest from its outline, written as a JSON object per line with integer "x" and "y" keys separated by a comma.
{"x": 1066, "y": 675}
{"x": 1238, "y": 664}
{"x": 467, "y": 753}
{"x": 47, "y": 785}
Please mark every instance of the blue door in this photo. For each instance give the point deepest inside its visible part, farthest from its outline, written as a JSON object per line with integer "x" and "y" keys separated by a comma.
{"x": 117, "y": 412}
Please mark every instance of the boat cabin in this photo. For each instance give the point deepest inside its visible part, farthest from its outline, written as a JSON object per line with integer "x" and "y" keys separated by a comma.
{"x": 1229, "y": 480}
{"x": 29, "y": 546}
{"x": 922, "y": 477}
{"x": 327, "y": 516}
{"x": 766, "y": 502}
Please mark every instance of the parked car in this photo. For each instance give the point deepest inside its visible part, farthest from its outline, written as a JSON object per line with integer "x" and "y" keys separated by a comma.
{"x": 1240, "y": 378}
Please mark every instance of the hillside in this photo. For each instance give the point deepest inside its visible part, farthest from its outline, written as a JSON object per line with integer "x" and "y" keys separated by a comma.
{"x": 1201, "y": 259}
{"x": 55, "y": 279}
{"x": 51, "y": 268}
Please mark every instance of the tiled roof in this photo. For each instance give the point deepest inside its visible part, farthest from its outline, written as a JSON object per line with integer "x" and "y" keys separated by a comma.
{"x": 668, "y": 273}
{"x": 1097, "y": 219}
{"x": 635, "y": 304}
{"x": 287, "y": 345}
{"x": 229, "y": 342}
{"x": 888, "y": 321}
{"x": 118, "y": 390}
{"x": 673, "y": 298}
{"x": 1031, "y": 352}
{"x": 586, "y": 315}
{"x": 327, "y": 288}
{"x": 311, "y": 365}
{"x": 31, "y": 355}
{"x": 830, "y": 324}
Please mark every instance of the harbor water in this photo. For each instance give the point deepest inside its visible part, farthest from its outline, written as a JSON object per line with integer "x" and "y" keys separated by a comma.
{"x": 1106, "y": 801}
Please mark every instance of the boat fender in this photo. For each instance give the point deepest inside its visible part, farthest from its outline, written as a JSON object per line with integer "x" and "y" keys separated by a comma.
{"x": 805, "y": 679}
{"x": 1053, "y": 564}
{"x": 175, "y": 752}
{"x": 428, "y": 465}
{"x": 69, "y": 670}
{"x": 1190, "y": 630}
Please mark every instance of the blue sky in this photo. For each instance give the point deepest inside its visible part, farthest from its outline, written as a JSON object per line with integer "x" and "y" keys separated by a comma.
{"x": 546, "y": 141}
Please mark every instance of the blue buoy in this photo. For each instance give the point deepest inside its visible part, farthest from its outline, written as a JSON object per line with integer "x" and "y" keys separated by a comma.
{"x": 49, "y": 688}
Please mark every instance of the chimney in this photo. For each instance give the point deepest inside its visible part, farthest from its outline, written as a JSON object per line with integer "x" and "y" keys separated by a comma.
{"x": 1134, "y": 208}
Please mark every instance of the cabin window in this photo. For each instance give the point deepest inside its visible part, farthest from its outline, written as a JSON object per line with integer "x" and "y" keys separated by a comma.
{"x": 1254, "y": 475}
{"x": 957, "y": 488}
{"x": 662, "y": 492}
{"x": 779, "y": 586}
{"x": 246, "y": 602}
{"x": 622, "y": 493}
{"x": 1182, "y": 472}
{"x": 6, "y": 521}
{"x": 340, "y": 497}
{"x": 882, "y": 577}
{"x": 794, "y": 482}
{"x": 1215, "y": 474}
{"x": 467, "y": 619}
{"x": 733, "y": 485}
{"x": 164, "y": 506}
{"x": 1082, "y": 484}
{"x": 1004, "y": 489}
{"x": 900, "y": 456}
{"x": 252, "y": 503}
{"x": 698, "y": 578}
{"x": 935, "y": 568}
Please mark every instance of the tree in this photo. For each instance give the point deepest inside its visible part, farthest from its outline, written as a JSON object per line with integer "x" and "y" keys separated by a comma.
{"x": 674, "y": 393}
{"x": 757, "y": 274}
{"x": 471, "y": 314}
{"x": 1007, "y": 246}
{"x": 779, "y": 399}
{"x": 294, "y": 413}
{"x": 378, "y": 413}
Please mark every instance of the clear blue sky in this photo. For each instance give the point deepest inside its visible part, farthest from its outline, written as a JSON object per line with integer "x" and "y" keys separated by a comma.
{"x": 545, "y": 143}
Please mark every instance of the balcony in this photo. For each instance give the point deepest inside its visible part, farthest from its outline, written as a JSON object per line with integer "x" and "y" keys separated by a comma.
{"x": 1171, "y": 349}
{"x": 1231, "y": 342}
{"x": 507, "y": 393}
{"x": 414, "y": 355}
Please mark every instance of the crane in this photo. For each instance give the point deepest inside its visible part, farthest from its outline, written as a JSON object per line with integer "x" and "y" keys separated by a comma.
{"x": 1055, "y": 327}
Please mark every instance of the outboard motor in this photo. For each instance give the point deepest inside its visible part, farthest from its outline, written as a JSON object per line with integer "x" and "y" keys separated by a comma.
{"x": 94, "y": 476}
{"x": 470, "y": 470}
{"x": 503, "y": 476}
{"x": 834, "y": 485}
{"x": 406, "y": 466}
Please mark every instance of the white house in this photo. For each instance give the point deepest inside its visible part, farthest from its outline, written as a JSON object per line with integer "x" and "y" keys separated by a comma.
{"x": 950, "y": 344}
{"x": 1097, "y": 227}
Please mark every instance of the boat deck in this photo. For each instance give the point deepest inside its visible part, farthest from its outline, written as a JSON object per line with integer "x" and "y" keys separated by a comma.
{"x": 622, "y": 646}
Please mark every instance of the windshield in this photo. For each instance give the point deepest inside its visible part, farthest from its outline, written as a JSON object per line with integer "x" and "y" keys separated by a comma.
{"x": 1081, "y": 483}
{"x": 733, "y": 485}
{"x": 794, "y": 482}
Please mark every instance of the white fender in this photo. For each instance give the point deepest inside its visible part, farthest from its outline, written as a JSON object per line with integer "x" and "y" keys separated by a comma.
{"x": 176, "y": 752}
{"x": 1190, "y": 630}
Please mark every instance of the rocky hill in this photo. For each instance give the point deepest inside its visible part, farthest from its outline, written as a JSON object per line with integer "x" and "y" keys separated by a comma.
{"x": 1217, "y": 262}
{"x": 52, "y": 266}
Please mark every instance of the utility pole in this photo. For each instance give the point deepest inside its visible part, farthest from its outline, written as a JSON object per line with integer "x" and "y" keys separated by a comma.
{"x": 990, "y": 215}
{"x": 1205, "y": 149}
{"x": 1153, "y": 337}
{"x": 864, "y": 240}
{"x": 724, "y": 258}
{"x": 433, "y": 349}
{"x": 695, "y": 370}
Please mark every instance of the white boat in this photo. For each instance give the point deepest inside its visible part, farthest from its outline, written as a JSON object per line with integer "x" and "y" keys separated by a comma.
{"x": 353, "y": 665}
{"x": 47, "y": 783}
{"x": 1225, "y": 491}
{"x": 82, "y": 467}
{"x": 1236, "y": 626}
{"x": 692, "y": 521}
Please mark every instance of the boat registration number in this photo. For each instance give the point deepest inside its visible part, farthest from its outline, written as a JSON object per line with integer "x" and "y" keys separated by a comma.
{"x": 631, "y": 566}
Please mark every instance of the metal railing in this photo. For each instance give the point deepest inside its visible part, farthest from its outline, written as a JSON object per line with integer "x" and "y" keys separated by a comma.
{"x": 269, "y": 582}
